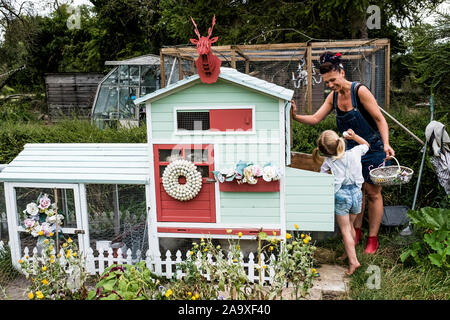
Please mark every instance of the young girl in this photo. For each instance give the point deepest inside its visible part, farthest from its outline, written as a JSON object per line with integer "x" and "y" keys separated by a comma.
{"x": 348, "y": 179}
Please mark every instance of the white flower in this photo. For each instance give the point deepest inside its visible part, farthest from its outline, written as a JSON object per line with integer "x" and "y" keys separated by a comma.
{"x": 52, "y": 219}
{"x": 35, "y": 230}
{"x": 32, "y": 209}
{"x": 269, "y": 173}
{"x": 47, "y": 228}
{"x": 44, "y": 202}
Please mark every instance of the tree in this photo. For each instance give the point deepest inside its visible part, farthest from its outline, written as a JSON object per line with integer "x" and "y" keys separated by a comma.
{"x": 429, "y": 59}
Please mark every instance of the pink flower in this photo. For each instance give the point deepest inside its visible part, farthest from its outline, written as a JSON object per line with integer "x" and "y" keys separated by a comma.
{"x": 44, "y": 202}
{"x": 29, "y": 223}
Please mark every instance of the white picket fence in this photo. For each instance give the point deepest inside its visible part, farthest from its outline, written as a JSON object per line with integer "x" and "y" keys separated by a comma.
{"x": 167, "y": 267}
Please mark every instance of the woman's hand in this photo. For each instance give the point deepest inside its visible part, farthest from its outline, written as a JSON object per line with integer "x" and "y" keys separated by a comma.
{"x": 389, "y": 151}
{"x": 294, "y": 108}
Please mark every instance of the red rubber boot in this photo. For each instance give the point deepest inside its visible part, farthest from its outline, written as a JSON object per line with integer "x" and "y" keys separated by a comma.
{"x": 358, "y": 235}
{"x": 372, "y": 245}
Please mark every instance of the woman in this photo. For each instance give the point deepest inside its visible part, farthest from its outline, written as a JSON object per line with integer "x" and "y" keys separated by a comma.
{"x": 357, "y": 109}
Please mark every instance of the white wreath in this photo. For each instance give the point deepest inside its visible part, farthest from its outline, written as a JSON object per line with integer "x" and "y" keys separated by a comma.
{"x": 177, "y": 169}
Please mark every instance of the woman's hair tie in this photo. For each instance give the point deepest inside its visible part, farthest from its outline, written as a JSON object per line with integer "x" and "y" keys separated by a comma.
{"x": 330, "y": 61}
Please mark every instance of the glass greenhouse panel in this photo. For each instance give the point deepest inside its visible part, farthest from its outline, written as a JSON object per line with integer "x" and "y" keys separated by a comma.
{"x": 112, "y": 78}
{"x": 126, "y": 105}
{"x": 106, "y": 102}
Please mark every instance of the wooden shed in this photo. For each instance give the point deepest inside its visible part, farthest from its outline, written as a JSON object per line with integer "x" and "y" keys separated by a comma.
{"x": 71, "y": 93}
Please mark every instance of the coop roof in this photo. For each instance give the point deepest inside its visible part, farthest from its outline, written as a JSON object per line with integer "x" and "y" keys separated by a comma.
{"x": 228, "y": 74}
{"x": 80, "y": 163}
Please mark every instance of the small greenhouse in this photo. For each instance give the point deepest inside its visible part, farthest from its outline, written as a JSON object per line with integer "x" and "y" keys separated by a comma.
{"x": 128, "y": 80}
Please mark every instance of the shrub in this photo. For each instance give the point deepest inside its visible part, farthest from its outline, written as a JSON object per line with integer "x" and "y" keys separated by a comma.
{"x": 55, "y": 276}
{"x": 128, "y": 282}
{"x": 432, "y": 225}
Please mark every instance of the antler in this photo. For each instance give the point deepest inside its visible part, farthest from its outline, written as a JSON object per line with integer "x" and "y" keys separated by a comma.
{"x": 211, "y": 29}
{"x": 196, "y": 30}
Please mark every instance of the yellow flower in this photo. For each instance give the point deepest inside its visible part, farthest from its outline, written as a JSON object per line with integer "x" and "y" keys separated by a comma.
{"x": 41, "y": 233}
{"x": 68, "y": 253}
{"x": 74, "y": 254}
{"x": 296, "y": 226}
{"x": 274, "y": 233}
{"x": 189, "y": 293}
{"x": 229, "y": 230}
{"x": 39, "y": 294}
{"x": 51, "y": 234}
{"x": 191, "y": 252}
{"x": 193, "y": 298}
{"x": 206, "y": 249}
{"x": 288, "y": 236}
{"x": 44, "y": 268}
{"x": 20, "y": 261}
{"x": 264, "y": 267}
{"x": 196, "y": 295}
{"x": 45, "y": 282}
{"x": 50, "y": 248}
{"x": 64, "y": 245}
{"x": 69, "y": 240}
{"x": 168, "y": 293}
{"x": 313, "y": 270}
{"x": 240, "y": 234}
{"x": 30, "y": 295}
{"x": 46, "y": 241}
{"x": 302, "y": 235}
{"x": 305, "y": 241}
{"x": 271, "y": 248}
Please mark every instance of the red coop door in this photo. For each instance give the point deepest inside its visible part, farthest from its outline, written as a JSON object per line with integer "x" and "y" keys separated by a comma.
{"x": 202, "y": 207}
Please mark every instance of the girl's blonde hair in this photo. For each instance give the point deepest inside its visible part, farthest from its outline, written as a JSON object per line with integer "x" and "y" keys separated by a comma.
{"x": 330, "y": 145}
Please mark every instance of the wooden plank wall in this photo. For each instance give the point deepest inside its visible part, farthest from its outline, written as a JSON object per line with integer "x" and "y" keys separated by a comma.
{"x": 70, "y": 94}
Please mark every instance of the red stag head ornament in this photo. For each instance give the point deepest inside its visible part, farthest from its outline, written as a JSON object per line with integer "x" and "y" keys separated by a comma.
{"x": 208, "y": 65}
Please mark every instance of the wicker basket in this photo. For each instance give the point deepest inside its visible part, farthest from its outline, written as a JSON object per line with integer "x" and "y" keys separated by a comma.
{"x": 391, "y": 175}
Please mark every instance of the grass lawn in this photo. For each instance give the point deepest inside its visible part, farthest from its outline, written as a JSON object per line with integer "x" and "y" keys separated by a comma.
{"x": 398, "y": 281}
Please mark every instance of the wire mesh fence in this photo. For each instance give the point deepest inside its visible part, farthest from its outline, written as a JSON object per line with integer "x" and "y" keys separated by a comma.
{"x": 287, "y": 65}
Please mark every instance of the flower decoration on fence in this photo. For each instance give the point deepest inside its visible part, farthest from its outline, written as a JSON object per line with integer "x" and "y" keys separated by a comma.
{"x": 41, "y": 217}
{"x": 248, "y": 173}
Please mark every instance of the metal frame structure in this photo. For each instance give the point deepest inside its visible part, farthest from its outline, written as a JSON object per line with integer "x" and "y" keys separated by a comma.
{"x": 350, "y": 50}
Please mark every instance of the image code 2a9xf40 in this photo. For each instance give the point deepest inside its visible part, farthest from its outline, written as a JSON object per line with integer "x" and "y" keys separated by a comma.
{"x": 225, "y": 309}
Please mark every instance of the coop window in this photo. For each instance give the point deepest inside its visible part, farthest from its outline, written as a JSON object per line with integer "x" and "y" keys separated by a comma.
{"x": 193, "y": 120}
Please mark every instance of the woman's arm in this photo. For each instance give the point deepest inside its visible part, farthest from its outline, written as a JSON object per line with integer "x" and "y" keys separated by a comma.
{"x": 371, "y": 105}
{"x": 315, "y": 118}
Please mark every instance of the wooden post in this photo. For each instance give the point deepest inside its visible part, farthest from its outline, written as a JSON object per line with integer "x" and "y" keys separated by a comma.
{"x": 180, "y": 68}
{"x": 387, "y": 75}
{"x": 309, "y": 70}
{"x": 233, "y": 58}
{"x": 163, "y": 72}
